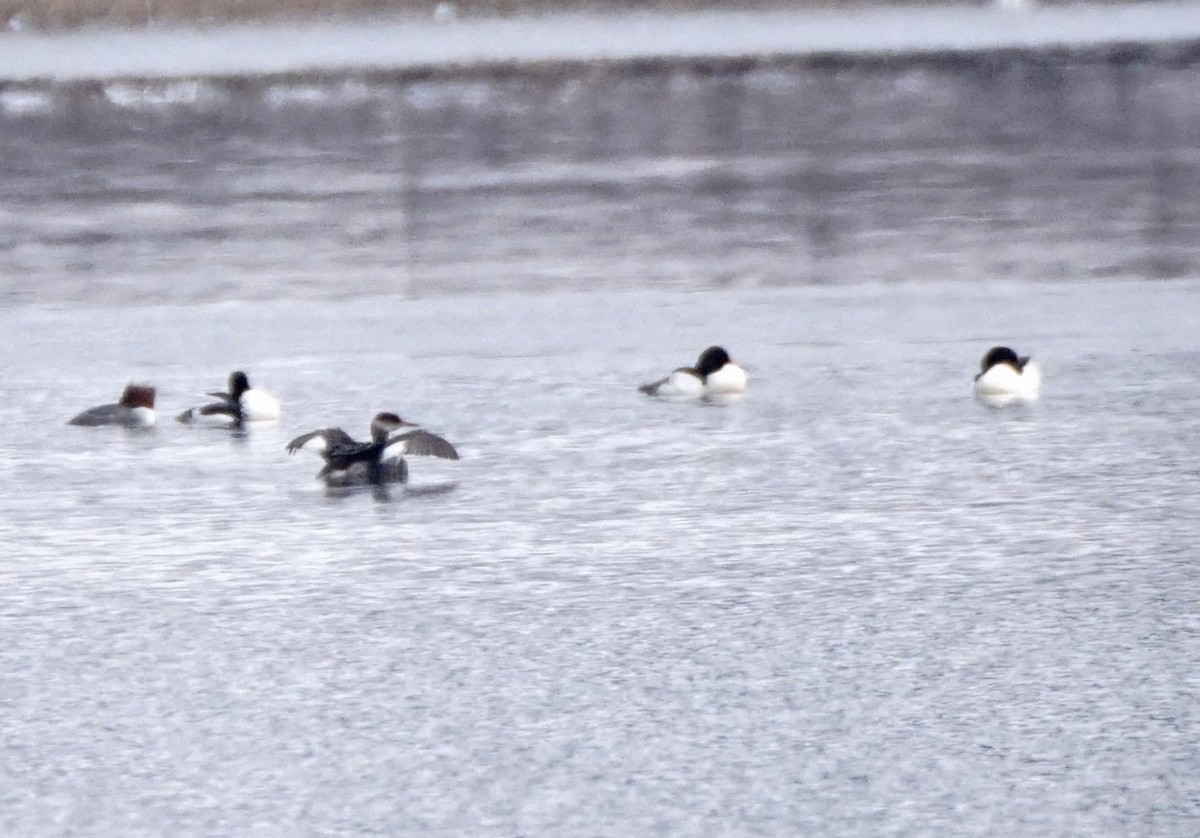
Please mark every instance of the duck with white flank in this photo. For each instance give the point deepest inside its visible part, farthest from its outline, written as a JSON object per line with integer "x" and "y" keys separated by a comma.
{"x": 240, "y": 405}
{"x": 1006, "y": 377}
{"x": 134, "y": 410}
{"x": 715, "y": 374}
{"x": 352, "y": 463}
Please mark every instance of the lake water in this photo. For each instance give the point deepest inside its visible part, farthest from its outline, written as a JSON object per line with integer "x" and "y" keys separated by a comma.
{"x": 855, "y": 602}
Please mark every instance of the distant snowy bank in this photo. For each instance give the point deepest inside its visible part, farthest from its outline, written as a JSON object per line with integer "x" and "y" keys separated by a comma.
{"x": 1163, "y": 31}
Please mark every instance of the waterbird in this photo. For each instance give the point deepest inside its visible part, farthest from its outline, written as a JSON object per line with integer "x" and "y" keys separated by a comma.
{"x": 1006, "y": 377}
{"x": 715, "y": 374}
{"x": 349, "y": 462}
{"x": 241, "y": 404}
{"x": 134, "y": 410}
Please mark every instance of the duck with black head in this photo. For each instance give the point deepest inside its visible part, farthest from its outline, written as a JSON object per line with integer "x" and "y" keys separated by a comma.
{"x": 715, "y": 374}
{"x": 241, "y": 404}
{"x": 1005, "y": 377}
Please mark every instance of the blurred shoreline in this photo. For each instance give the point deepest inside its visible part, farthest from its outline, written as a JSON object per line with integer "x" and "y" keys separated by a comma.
{"x": 66, "y": 14}
{"x": 397, "y": 49}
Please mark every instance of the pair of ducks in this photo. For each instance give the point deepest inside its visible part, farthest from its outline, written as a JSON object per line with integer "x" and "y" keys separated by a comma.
{"x": 1004, "y": 377}
{"x": 135, "y": 409}
{"x": 348, "y": 462}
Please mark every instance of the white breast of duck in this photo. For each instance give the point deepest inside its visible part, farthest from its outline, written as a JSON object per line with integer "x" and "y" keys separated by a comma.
{"x": 728, "y": 380}
{"x": 259, "y": 406}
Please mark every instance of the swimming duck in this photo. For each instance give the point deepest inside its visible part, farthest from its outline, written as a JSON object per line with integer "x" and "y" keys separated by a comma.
{"x": 1005, "y": 376}
{"x": 240, "y": 405}
{"x": 134, "y": 410}
{"x": 715, "y": 374}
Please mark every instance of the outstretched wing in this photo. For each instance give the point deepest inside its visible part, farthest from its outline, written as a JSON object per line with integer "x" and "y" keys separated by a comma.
{"x": 419, "y": 444}
{"x": 322, "y": 442}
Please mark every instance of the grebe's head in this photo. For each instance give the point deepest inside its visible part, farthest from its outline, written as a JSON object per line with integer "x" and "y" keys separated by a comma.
{"x": 384, "y": 423}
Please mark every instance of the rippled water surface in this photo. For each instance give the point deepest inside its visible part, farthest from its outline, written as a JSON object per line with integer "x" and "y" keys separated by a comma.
{"x": 853, "y": 603}
{"x": 856, "y": 601}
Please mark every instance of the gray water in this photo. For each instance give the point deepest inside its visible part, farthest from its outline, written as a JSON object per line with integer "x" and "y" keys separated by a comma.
{"x": 855, "y": 602}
